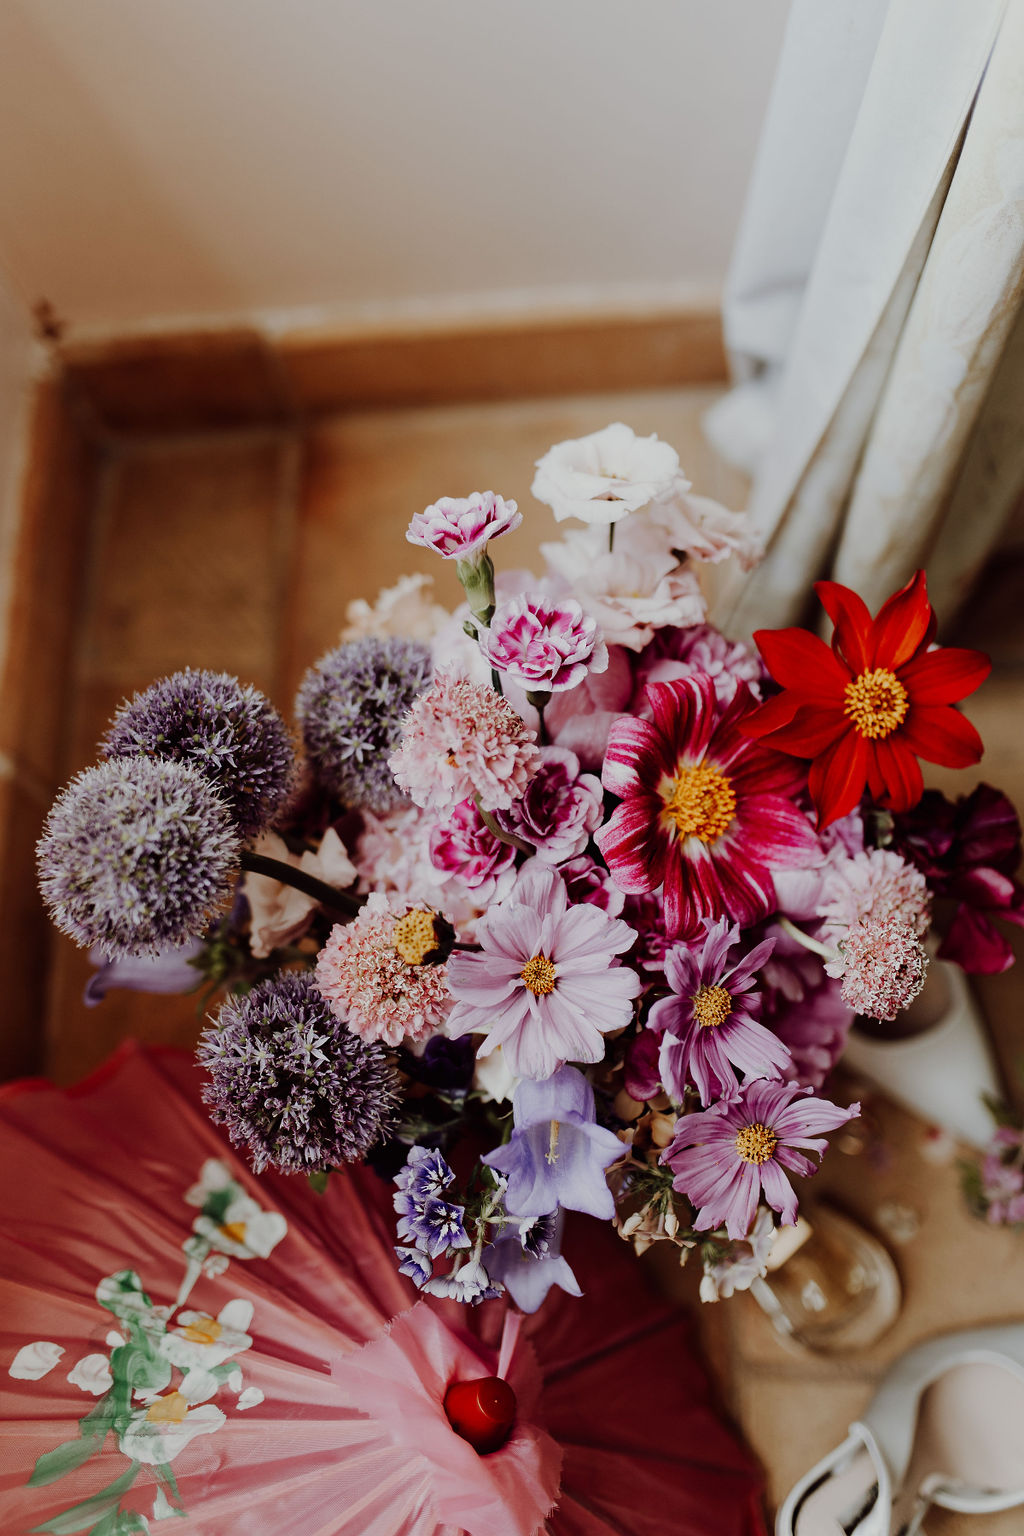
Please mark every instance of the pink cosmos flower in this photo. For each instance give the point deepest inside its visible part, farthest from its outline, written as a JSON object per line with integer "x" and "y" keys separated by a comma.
{"x": 370, "y": 987}
{"x": 559, "y": 809}
{"x": 544, "y": 986}
{"x": 461, "y": 740}
{"x": 546, "y": 644}
{"x": 701, "y": 813}
{"x": 726, "y": 1157}
{"x": 883, "y": 965}
{"x": 459, "y": 527}
{"x": 709, "y": 1024}
{"x": 465, "y": 847}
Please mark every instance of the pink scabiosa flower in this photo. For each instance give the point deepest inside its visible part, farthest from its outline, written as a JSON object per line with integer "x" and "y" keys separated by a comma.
{"x": 877, "y": 884}
{"x": 546, "y": 644}
{"x": 709, "y": 1025}
{"x": 544, "y": 986}
{"x": 464, "y": 846}
{"x": 560, "y": 808}
{"x": 379, "y": 995}
{"x": 701, "y": 813}
{"x": 459, "y": 527}
{"x": 724, "y": 1159}
{"x": 883, "y": 966}
{"x": 460, "y": 741}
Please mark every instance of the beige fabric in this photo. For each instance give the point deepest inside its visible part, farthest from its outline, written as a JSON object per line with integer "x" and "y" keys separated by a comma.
{"x": 900, "y": 444}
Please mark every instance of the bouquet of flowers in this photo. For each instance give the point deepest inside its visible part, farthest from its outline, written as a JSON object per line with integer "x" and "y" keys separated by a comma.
{"x": 570, "y": 902}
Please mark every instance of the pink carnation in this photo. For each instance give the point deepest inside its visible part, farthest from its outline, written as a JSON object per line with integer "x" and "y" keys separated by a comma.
{"x": 883, "y": 965}
{"x": 700, "y": 648}
{"x": 560, "y": 810}
{"x": 465, "y": 847}
{"x": 459, "y": 527}
{"x": 461, "y": 740}
{"x": 370, "y": 986}
{"x": 546, "y": 644}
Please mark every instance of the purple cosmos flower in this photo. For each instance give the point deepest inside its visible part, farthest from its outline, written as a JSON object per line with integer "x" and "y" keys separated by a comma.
{"x": 726, "y": 1157}
{"x": 560, "y": 809}
{"x": 170, "y": 971}
{"x": 545, "y": 644}
{"x": 557, "y": 1155}
{"x": 462, "y": 845}
{"x": 528, "y": 1263}
{"x": 415, "y": 1265}
{"x": 710, "y": 1023}
{"x": 459, "y": 527}
{"x": 544, "y": 986}
{"x": 435, "y": 1226}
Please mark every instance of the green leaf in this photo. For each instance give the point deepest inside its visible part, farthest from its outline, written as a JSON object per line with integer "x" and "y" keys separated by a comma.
{"x": 319, "y": 1182}
{"x": 63, "y": 1459}
{"x": 121, "y": 1522}
{"x": 83, "y": 1516}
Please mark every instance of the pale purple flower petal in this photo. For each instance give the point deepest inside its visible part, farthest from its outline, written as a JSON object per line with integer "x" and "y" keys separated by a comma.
{"x": 557, "y": 1154}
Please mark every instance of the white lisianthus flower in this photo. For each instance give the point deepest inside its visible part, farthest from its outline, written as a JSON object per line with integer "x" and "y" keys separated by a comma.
{"x": 604, "y": 477}
{"x": 631, "y": 591}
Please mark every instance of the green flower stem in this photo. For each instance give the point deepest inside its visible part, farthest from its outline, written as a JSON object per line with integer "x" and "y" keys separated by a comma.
{"x": 341, "y": 902}
{"x": 805, "y": 939}
{"x": 488, "y": 819}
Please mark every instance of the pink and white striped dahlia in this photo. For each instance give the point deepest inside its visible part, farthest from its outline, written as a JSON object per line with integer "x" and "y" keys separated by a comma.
{"x": 726, "y": 1157}
{"x": 702, "y": 814}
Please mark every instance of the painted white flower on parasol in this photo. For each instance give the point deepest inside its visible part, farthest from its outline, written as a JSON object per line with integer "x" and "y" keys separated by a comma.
{"x": 158, "y": 1433}
{"x": 198, "y": 1340}
{"x": 232, "y": 1222}
{"x": 34, "y": 1361}
{"x": 92, "y": 1374}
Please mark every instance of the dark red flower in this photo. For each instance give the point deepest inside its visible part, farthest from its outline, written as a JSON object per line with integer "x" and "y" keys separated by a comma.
{"x": 867, "y": 708}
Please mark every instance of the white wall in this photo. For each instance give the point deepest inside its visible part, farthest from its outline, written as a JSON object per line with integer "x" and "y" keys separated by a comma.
{"x": 189, "y": 157}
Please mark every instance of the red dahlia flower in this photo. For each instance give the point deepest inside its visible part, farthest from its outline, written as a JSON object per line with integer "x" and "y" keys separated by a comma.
{"x": 865, "y": 710}
{"x": 705, "y": 811}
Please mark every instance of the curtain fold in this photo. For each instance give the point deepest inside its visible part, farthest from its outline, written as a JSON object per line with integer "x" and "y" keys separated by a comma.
{"x": 871, "y": 413}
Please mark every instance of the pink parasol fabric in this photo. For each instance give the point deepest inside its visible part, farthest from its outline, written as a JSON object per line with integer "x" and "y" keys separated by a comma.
{"x": 180, "y": 1340}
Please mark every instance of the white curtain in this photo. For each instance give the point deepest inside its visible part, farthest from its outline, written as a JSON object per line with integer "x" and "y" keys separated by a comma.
{"x": 874, "y": 311}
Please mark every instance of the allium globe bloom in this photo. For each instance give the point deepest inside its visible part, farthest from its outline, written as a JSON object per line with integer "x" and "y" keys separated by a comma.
{"x": 231, "y": 733}
{"x": 865, "y": 710}
{"x": 710, "y": 1023}
{"x": 560, "y": 809}
{"x": 724, "y": 1159}
{"x": 675, "y": 653}
{"x": 461, "y": 741}
{"x": 546, "y": 644}
{"x": 370, "y": 987}
{"x": 876, "y": 884}
{"x": 464, "y": 846}
{"x": 350, "y": 706}
{"x": 459, "y": 527}
{"x": 136, "y": 856}
{"x": 544, "y": 986}
{"x": 291, "y": 1082}
{"x": 883, "y": 965}
{"x": 557, "y": 1153}
{"x": 705, "y": 811}
{"x": 606, "y": 475}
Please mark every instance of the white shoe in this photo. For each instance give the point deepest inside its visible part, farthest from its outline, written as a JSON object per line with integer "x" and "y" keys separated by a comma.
{"x": 941, "y": 1073}
{"x": 945, "y": 1428}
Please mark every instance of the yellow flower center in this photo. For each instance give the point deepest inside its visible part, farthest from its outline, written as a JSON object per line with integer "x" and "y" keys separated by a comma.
{"x": 756, "y": 1143}
{"x": 235, "y": 1230}
{"x": 539, "y": 975}
{"x": 551, "y": 1155}
{"x": 712, "y": 1006}
{"x": 415, "y": 936}
{"x": 702, "y": 803}
{"x": 203, "y": 1330}
{"x": 876, "y": 702}
{"x": 171, "y": 1409}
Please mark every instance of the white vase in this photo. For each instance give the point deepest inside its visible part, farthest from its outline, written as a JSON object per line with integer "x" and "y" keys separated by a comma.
{"x": 942, "y": 1071}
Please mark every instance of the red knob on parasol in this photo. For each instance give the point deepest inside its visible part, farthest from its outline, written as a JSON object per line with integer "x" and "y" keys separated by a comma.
{"x": 481, "y": 1411}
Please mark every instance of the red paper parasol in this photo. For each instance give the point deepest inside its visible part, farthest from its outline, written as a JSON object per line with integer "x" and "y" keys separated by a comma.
{"x": 181, "y": 1338}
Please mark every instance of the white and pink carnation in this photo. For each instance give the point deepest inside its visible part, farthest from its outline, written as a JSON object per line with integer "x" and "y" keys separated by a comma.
{"x": 586, "y": 880}
{"x": 371, "y": 988}
{"x": 630, "y": 592}
{"x": 704, "y": 529}
{"x": 675, "y": 653}
{"x": 561, "y": 809}
{"x": 464, "y": 847}
{"x": 606, "y": 475}
{"x": 460, "y": 527}
{"x": 461, "y": 740}
{"x": 405, "y": 610}
{"x": 545, "y": 644}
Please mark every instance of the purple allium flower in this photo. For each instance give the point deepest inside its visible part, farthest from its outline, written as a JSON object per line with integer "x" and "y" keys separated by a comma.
{"x": 726, "y": 1157}
{"x": 351, "y": 705}
{"x": 557, "y": 1155}
{"x": 528, "y": 1263}
{"x": 415, "y": 1265}
{"x": 459, "y": 527}
{"x": 546, "y": 644}
{"x": 230, "y": 732}
{"x": 544, "y": 986}
{"x": 462, "y": 845}
{"x": 560, "y": 808}
{"x": 170, "y": 971}
{"x": 470, "y": 1283}
{"x": 462, "y": 740}
{"x": 136, "y": 855}
{"x": 435, "y": 1226}
{"x": 680, "y": 652}
{"x": 709, "y": 1025}
{"x": 291, "y": 1082}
